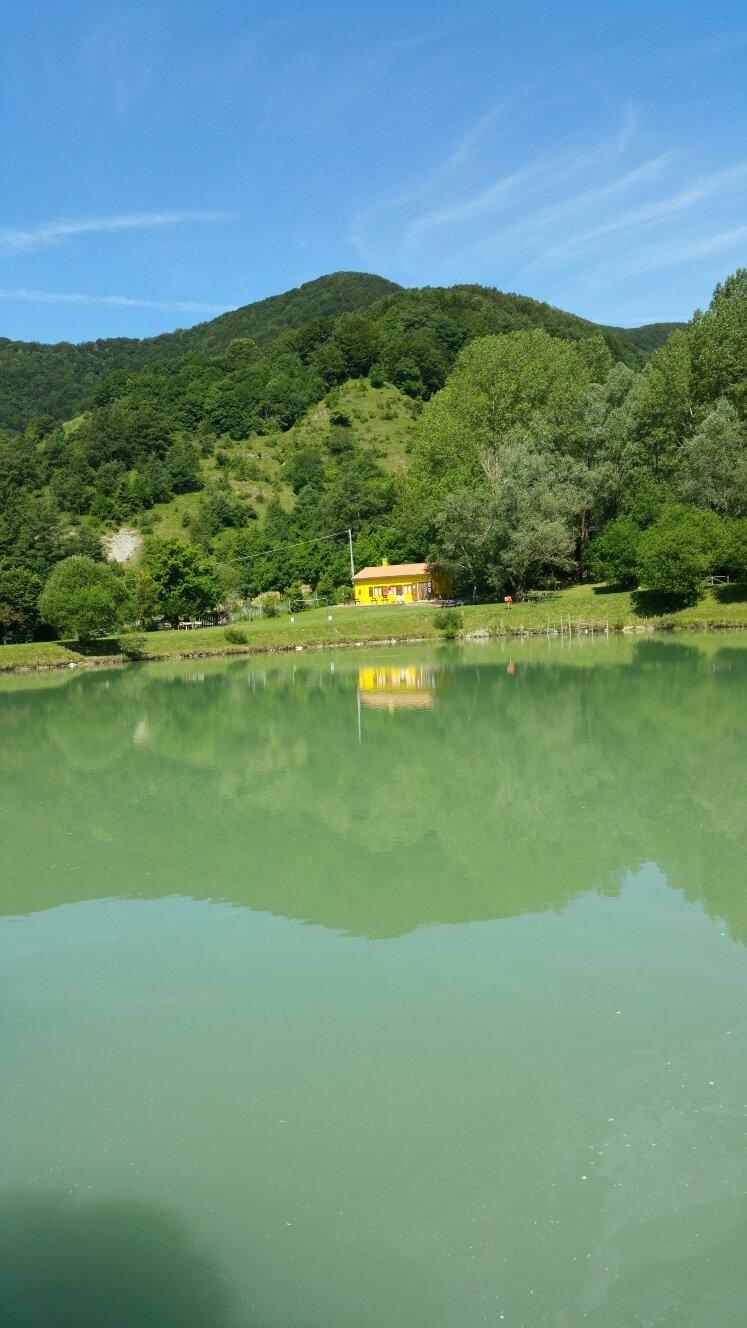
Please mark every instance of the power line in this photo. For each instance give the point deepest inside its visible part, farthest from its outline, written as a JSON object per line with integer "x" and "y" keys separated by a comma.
{"x": 316, "y": 539}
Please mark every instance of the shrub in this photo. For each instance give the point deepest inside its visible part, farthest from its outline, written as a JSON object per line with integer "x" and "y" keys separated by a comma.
{"x": 613, "y": 553}
{"x": 133, "y": 645}
{"x": 735, "y": 559}
{"x": 235, "y": 636}
{"x": 680, "y": 549}
{"x": 270, "y": 608}
{"x": 296, "y": 601}
{"x": 326, "y": 590}
{"x": 448, "y": 622}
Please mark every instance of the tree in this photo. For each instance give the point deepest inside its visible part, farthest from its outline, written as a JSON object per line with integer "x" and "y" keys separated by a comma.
{"x": 470, "y": 538}
{"x": 680, "y": 549}
{"x": 664, "y": 405}
{"x": 499, "y": 383}
{"x": 357, "y": 340}
{"x": 146, "y": 593}
{"x": 305, "y": 467}
{"x": 83, "y": 599}
{"x": 735, "y": 561}
{"x": 714, "y": 463}
{"x": 86, "y": 541}
{"x": 185, "y": 577}
{"x": 19, "y": 595}
{"x": 516, "y": 529}
{"x": 613, "y": 553}
{"x": 183, "y": 467}
{"x": 718, "y": 345}
{"x": 539, "y": 496}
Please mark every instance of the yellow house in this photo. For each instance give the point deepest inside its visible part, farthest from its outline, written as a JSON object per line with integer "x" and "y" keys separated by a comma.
{"x": 400, "y": 583}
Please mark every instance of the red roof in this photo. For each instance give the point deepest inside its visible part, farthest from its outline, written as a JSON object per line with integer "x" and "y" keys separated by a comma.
{"x": 392, "y": 572}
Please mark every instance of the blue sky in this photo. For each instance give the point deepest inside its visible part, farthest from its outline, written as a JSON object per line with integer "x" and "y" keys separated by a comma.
{"x": 162, "y": 161}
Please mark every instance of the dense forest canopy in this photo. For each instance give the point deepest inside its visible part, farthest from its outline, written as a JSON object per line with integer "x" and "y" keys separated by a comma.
{"x": 536, "y": 448}
{"x": 61, "y": 380}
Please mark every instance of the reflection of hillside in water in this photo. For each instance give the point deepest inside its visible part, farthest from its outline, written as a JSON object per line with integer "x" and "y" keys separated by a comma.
{"x": 515, "y": 793}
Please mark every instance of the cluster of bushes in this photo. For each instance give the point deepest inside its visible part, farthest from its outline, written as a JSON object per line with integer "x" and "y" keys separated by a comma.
{"x": 83, "y": 598}
{"x": 682, "y": 547}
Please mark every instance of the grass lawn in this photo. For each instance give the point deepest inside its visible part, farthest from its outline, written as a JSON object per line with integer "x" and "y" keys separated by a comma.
{"x": 583, "y": 607}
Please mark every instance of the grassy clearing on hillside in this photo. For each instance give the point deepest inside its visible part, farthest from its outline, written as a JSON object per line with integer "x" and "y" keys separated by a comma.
{"x": 581, "y": 607}
{"x": 381, "y": 418}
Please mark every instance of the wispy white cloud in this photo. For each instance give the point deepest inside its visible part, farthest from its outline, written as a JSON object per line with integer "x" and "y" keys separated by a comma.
{"x": 549, "y": 170}
{"x": 583, "y": 208}
{"x": 452, "y": 199}
{"x": 532, "y": 225}
{"x": 669, "y": 253}
{"x": 119, "y": 301}
{"x": 642, "y": 218}
{"x": 48, "y": 233}
{"x": 498, "y": 119}
{"x": 583, "y": 202}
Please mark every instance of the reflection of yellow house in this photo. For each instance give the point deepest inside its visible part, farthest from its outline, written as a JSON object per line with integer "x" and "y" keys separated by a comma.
{"x": 399, "y": 583}
{"x": 399, "y": 688}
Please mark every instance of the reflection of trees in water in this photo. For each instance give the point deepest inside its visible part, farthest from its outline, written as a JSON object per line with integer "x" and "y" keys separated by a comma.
{"x": 102, "y": 1265}
{"x": 515, "y": 793}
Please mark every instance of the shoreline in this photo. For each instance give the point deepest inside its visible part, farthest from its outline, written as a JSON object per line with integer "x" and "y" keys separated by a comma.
{"x": 35, "y": 657}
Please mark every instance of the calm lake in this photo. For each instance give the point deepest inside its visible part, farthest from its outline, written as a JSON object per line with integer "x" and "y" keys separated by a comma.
{"x": 376, "y": 990}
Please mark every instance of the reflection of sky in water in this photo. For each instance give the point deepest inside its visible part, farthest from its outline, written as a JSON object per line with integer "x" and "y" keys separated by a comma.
{"x": 537, "y": 1115}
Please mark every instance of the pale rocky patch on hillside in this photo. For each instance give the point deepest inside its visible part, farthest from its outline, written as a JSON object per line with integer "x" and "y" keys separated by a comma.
{"x": 123, "y": 545}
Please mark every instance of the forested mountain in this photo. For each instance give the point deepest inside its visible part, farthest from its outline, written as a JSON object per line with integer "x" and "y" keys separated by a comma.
{"x": 62, "y": 379}
{"x": 648, "y": 337}
{"x": 515, "y": 444}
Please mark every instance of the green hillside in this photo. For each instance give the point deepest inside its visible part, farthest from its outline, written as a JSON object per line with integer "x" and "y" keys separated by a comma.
{"x": 380, "y": 422}
{"x": 63, "y": 379}
{"x": 648, "y": 337}
{"x": 381, "y": 418}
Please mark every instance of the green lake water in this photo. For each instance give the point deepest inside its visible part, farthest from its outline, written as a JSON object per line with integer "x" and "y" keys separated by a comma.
{"x": 376, "y": 990}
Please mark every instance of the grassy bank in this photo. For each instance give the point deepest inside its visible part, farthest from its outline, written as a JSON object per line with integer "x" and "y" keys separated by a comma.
{"x": 580, "y": 608}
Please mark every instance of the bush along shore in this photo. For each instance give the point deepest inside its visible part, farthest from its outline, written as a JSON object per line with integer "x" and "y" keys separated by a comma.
{"x": 579, "y": 610}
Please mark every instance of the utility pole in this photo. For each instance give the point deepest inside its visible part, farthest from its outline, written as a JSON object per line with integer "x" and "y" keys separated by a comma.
{"x": 350, "y": 547}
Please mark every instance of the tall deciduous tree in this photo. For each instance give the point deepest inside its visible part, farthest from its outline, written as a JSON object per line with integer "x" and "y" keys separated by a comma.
{"x": 714, "y": 462}
{"x": 185, "y": 576}
{"x": 84, "y": 599}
